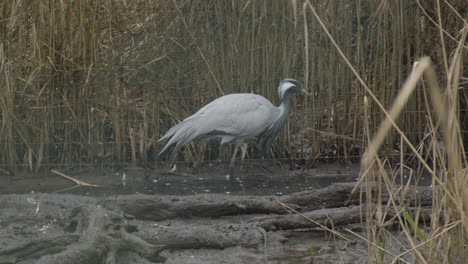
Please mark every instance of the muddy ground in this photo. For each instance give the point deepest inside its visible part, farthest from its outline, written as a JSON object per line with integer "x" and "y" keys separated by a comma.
{"x": 183, "y": 218}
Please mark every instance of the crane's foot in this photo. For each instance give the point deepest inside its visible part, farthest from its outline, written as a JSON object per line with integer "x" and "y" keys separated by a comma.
{"x": 231, "y": 176}
{"x": 234, "y": 177}
{"x": 173, "y": 169}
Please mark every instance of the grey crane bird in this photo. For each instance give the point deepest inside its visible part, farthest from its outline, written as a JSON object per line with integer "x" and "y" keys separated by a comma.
{"x": 234, "y": 118}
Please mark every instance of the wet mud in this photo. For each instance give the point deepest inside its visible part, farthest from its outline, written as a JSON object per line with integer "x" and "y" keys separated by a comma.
{"x": 148, "y": 216}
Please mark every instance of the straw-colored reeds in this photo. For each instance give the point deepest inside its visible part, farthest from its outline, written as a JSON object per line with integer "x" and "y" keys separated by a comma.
{"x": 98, "y": 82}
{"x": 440, "y": 153}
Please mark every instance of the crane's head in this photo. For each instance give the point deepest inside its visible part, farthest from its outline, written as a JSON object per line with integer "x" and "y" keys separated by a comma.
{"x": 290, "y": 86}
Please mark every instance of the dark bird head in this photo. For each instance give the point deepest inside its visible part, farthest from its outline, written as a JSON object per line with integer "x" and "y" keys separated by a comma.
{"x": 290, "y": 86}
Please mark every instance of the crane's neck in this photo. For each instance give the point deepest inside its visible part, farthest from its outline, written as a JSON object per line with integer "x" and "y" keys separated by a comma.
{"x": 284, "y": 108}
{"x": 266, "y": 138}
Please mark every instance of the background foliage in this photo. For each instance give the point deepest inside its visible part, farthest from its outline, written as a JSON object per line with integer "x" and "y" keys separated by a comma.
{"x": 98, "y": 82}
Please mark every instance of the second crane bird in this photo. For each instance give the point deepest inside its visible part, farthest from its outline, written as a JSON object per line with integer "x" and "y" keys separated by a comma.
{"x": 235, "y": 118}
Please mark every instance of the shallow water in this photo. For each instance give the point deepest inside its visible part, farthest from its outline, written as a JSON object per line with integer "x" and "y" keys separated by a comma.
{"x": 248, "y": 180}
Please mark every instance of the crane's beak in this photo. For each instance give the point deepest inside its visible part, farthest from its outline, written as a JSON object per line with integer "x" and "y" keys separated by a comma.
{"x": 305, "y": 92}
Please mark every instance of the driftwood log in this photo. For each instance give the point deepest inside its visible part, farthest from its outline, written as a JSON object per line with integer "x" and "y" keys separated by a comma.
{"x": 95, "y": 231}
{"x": 92, "y": 233}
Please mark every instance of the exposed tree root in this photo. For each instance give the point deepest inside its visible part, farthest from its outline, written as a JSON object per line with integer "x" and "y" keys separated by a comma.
{"x": 95, "y": 236}
{"x": 37, "y": 248}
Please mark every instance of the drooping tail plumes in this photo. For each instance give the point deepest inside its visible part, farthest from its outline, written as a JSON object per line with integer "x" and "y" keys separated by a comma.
{"x": 179, "y": 135}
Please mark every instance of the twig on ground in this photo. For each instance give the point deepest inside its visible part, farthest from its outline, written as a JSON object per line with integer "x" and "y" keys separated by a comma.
{"x": 77, "y": 182}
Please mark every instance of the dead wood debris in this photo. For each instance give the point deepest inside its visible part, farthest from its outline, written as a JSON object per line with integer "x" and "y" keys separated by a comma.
{"x": 135, "y": 223}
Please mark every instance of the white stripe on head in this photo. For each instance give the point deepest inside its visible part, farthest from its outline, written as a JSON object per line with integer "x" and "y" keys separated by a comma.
{"x": 284, "y": 87}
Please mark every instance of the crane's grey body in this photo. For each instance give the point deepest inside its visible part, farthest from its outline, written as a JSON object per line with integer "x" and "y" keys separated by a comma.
{"x": 234, "y": 118}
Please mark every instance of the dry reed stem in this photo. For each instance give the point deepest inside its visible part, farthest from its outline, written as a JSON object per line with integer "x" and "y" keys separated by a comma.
{"x": 335, "y": 135}
{"x": 77, "y": 182}
{"x": 453, "y": 158}
{"x": 198, "y": 48}
{"x": 437, "y": 24}
{"x": 383, "y": 174}
{"x": 394, "y": 112}
{"x": 456, "y": 181}
{"x": 445, "y": 229}
{"x": 397, "y": 257}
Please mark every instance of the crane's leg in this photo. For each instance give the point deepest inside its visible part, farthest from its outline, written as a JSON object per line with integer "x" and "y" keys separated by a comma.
{"x": 243, "y": 152}
{"x": 233, "y": 159}
{"x": 219, "y": 159}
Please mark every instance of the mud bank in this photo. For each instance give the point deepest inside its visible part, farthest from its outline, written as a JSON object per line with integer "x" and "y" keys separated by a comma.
{"x": 202, "y": 228}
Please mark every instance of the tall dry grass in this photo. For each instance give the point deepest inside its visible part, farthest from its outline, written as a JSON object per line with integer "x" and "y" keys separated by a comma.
{"x": 98, "y": 82}
{"x": 434, "y": 234}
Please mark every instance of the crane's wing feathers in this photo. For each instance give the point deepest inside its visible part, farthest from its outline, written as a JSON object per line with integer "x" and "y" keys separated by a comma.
{"x": 231, "y": 117}
{"x": 239, "y": 115}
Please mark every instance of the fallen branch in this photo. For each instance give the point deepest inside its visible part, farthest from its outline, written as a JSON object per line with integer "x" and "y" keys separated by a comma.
{"x": 313, "y": 221}
{"x": 192, "y": 235}
{"x": 77, "y": 182}
{"x": 340, "y": 194}
{"x": 162, "y": 207}
{"x": 322, "y": 217}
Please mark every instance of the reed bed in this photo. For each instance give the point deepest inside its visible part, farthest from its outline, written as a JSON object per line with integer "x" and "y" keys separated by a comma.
{"x": 435, "y": 234}
{"x": 98, "y": 82}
